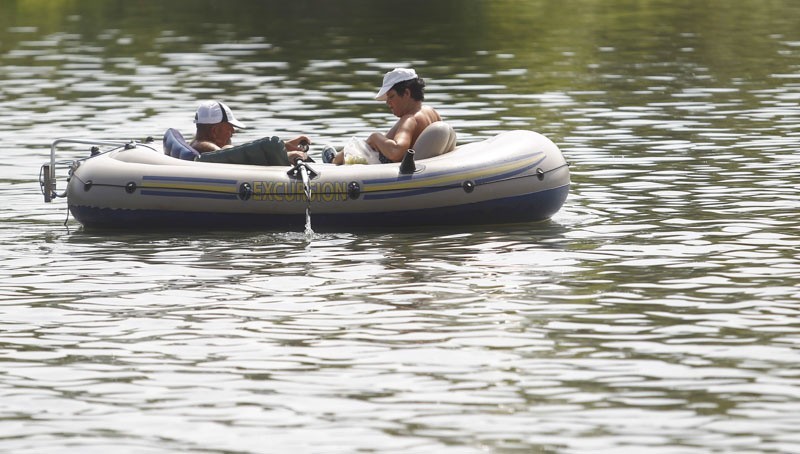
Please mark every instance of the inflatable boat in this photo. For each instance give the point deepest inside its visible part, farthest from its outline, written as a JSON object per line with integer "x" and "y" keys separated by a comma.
{"x": 514, "y": 177}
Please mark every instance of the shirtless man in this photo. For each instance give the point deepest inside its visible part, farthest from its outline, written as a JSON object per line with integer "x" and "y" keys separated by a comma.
{"x": 216, "y": 125}
{"x": 403, "y": 92}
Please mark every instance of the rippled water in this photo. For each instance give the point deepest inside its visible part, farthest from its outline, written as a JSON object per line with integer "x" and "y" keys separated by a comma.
{"x": 657, "y": 312}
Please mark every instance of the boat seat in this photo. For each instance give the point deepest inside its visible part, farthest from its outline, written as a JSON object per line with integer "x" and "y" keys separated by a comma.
{"x": 175, "y": 145}
{"x": 438, "y": 138}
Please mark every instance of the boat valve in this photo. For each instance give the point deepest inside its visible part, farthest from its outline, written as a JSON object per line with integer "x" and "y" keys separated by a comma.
{"x": 407, "y": 165}
{"x": 353, "y": 190}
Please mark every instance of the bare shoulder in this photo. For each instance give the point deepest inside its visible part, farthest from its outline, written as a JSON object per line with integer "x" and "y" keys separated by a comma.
{"x": 430, "y": 114}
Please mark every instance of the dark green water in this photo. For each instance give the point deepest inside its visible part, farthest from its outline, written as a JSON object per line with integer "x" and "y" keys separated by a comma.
{"x": 657, "y": 312}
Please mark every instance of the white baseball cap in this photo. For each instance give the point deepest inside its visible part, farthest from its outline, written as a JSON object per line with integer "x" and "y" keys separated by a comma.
{"x": 213, "y": 112}
{"x": 392, "y": 77}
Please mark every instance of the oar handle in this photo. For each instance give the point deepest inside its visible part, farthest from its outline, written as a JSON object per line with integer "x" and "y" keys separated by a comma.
{"x": 303, "y": 146}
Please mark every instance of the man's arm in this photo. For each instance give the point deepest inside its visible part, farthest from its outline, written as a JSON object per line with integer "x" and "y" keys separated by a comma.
{"x": 394, "y": 146}
{"x": 204, "y": 146}
{"x": 299, "y": 143}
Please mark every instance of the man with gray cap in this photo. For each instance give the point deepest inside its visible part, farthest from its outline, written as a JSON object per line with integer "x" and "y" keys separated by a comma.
{"x": 215, "y": 127}
{"x": 403, "y": 92}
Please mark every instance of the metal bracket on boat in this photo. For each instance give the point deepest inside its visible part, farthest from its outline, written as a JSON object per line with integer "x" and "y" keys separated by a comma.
{"x": 296, "y": 172}
{"x": 301, "y": 171}
{"x": 47, "y": 174}
{"x": 47, "y": 182}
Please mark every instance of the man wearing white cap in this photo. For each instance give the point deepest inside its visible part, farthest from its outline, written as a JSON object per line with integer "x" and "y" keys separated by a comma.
{"x": 216, "y": 125}
{"x": 403, "y": 92}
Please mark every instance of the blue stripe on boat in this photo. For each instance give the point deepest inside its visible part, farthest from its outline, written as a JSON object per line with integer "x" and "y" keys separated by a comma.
{"x": 401, "y": 193}
{"x": 413, "y": 191}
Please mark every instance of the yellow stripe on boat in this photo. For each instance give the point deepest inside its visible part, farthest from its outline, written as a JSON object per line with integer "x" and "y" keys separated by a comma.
{"x": 190, "y": 184}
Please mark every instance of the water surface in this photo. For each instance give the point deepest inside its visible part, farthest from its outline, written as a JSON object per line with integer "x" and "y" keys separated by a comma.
{"x": 657, "y": 312}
